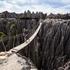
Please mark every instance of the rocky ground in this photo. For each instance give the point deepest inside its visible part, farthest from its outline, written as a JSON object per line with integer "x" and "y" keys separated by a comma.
{"x": 16, "y": 62}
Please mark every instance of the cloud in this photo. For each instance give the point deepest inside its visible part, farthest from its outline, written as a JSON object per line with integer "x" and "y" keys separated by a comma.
{"x": 46, "y": 6}
{"x": 65, "y": 1}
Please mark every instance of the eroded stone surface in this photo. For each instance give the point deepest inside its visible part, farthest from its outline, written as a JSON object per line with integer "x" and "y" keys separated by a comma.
{"x": 15, "y": 62}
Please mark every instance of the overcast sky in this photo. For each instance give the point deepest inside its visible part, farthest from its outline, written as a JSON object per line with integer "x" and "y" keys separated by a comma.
{"x": 46, "y": 6}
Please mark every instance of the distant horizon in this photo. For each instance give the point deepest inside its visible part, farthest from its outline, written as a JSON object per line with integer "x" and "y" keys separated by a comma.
{"x": 34, "y": 12}
{"x": 45, "y": 6}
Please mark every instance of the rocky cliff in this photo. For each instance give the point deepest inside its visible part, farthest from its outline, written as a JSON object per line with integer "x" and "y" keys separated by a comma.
{"x": 50, "y": 50}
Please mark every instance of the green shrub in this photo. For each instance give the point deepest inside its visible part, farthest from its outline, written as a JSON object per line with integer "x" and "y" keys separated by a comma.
{"x": 2, "y": 35}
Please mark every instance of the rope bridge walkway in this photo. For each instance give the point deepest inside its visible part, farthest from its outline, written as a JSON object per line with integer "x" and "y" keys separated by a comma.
{"x": 27, "y": 42}
{"x": 12, "y": 52}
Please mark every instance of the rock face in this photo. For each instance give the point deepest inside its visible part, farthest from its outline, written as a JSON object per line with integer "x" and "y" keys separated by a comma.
{"x": 66, "y": 66}
{"x": 50, "y": 49}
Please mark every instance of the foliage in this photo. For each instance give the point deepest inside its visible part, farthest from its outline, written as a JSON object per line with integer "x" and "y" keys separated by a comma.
{"x": 2, "y": 35}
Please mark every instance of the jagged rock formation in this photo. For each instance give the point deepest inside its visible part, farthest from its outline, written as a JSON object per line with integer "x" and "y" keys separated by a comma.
{"x": 51, "y": 48}
{"x": 66, "y": 66}
{"x": 24, "y": 15}
{"x": 59, "y": 16}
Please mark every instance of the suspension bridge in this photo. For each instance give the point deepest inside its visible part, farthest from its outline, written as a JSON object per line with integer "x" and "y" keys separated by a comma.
{"x": 12, "y": 52}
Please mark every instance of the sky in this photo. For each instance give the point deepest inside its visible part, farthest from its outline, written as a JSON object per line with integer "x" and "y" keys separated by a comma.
{"x": 46, "y": 6}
